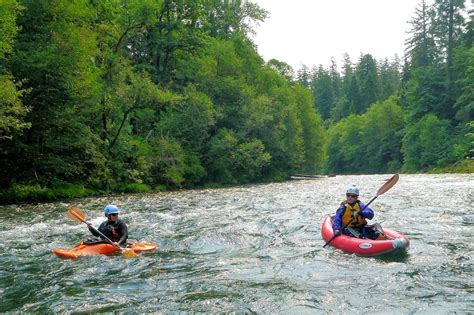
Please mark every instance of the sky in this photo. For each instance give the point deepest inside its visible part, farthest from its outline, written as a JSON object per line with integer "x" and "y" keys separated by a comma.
{"x": 311, "y": 32}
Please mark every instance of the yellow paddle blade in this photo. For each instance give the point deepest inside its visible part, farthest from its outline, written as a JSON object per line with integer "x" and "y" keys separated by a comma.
{"x": 76, "y": 214}
{"x": 128, "y": 253}
{"x": 389, "y": 184}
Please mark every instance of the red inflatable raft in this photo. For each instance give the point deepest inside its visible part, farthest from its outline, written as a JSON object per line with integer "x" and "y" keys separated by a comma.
{"x": 85, "y": 249}
{"x": 365, "y": 247}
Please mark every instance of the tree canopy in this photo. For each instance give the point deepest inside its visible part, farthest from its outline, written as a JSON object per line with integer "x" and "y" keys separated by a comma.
{"x": 119, "y": 95}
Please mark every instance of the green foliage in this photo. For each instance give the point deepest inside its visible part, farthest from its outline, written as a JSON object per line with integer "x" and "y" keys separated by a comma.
{"x": 323, "y": 92}
{"x": 138, "y": 92}
{"x": 470, "y": 138}
{"x": 9, "y": 9}
{"x": 282, "y": 68}
{"x": 250, "y": 159}
{"x": 234, "y": 161}
{"x": 429, "y": 143}
{"x": 341, "y": 109}
{"x": 36, "y": 193}
{"x": 464, "y": 65}
{"x": 426, "y": 93}
{"x": 344, "y": 147}
{"x": 303, "y": 76}
{"x": 189, "y": 120}
{"x": 369, "y": 82}
{"x": 122, "y": 96}
{"x": 389, "y": 78}
{"x": 12, "y": 111}
{"x": 67, "y": 190}
{"x": 382, "y": 137}
{"x": 134, "y": 188}
{"x": 462, "y": 166}
{"x": 228, "y": 17}
{"x": 354, "y": 97}
{"x": 368, "y": 143}
{"x": 222, "y": 154}
{"x": 313, "y": 133}
{"x": 168, "y": 163}
{"x": 421, "y": 44}
{"x": 26, "y": 192}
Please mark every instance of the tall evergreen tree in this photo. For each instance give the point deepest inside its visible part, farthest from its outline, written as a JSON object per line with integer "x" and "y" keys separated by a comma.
{"x": 354, "y": 97}
{"x": 448, "y": 29}
{"x": 323, "y": 92}
{"x": 303, "y": 76}
{"x": 464, "y": 68}
{"x": 349, "y": 101}
{"x": 421, "y": 47}
{"x": 347, "y": 73}
{"x": 389, "y": 77}
{"x": 336, "y": 80}
{"x": 369, "y": 83}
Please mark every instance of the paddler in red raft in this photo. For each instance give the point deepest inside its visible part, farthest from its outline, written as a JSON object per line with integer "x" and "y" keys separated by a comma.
{"x": 354, "y": 213}
{"x": 114, "y": 228}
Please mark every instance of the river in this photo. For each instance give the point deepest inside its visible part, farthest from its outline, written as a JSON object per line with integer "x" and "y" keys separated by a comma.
{"x": 247, "y": 249}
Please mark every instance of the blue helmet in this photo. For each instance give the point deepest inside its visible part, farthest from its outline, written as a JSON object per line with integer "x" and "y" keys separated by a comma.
{"x": 111, "y": 209}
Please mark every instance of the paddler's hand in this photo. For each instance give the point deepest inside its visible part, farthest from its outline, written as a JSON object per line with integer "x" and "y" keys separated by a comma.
{"x": 337, "y": 232}
{"x": 356, "y": 215}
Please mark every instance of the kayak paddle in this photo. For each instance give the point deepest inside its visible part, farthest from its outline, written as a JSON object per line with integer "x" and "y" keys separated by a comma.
{"x": 76, "y": 214}
{"x": 385, "y": 187}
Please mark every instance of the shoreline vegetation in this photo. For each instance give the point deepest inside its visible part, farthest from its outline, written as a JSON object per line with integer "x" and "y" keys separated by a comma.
{"x": 36, "y": 193}
{"x": 102, "y": 97}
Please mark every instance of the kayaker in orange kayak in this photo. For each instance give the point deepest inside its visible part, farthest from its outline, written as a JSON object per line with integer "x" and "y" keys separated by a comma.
{"x": 353, "y": 214}
{"x": 114, "y": 228}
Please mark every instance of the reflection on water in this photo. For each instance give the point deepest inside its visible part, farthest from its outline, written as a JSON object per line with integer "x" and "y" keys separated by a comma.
{"x": 247, "y": 249}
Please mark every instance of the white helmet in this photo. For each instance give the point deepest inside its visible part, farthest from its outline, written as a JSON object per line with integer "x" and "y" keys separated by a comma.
{"x": 353, "y": 190}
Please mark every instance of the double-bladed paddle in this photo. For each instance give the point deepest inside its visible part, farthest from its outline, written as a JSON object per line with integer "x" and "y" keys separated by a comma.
{"x": 76, "y": 214}
{"x": 385, "y": 187}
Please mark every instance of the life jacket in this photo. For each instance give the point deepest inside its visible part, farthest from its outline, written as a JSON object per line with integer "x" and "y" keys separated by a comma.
{"x": 348, "y": 215}
{"x": 111, "y": 231}
{"x": 115, "y": 234}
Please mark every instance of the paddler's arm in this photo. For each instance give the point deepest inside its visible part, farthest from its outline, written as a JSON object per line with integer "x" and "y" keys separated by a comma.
{"x": 124, "y": 234}
{"x": 367, "y": 213}
{"x": 92, "y": 230}
{"x": 337, "y": 223}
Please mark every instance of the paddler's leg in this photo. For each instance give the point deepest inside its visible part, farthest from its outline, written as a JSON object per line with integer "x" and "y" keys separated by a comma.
{"x": 371, "y": 233}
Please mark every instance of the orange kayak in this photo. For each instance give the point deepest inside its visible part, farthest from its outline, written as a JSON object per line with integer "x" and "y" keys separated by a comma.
{"x": 88, "y": 249}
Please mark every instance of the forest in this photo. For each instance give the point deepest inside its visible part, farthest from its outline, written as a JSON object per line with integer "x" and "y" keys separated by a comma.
{"x": 111, "y": 96}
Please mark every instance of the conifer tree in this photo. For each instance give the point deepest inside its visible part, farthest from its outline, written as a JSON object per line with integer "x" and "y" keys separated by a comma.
{"x": 368, "y": 79}
{"x": 420, "y": 47}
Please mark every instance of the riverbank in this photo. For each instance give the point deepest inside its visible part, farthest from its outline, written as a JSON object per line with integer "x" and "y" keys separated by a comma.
{"x": 25, "y": 193}
{"x": 19, "y": 193}
{"x": 461, "y": 167}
